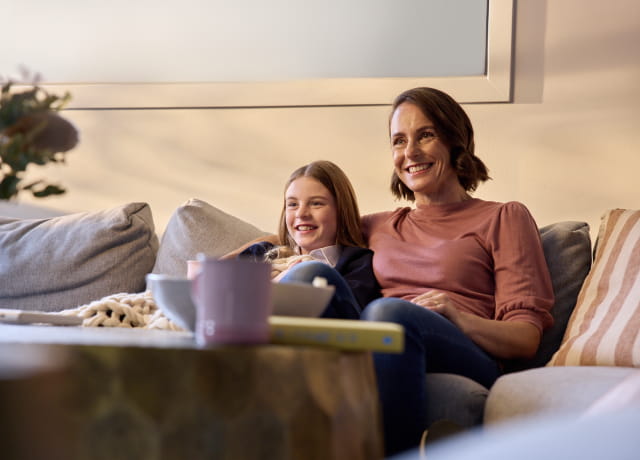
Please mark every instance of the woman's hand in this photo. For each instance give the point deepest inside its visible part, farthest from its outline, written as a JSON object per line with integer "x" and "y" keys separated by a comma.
{"x": 502, "y": 339}
{"x": 438, "y": 302}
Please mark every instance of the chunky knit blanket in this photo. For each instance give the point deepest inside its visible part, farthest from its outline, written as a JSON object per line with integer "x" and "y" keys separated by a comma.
{"x": 283, "y": 264}
{"x": 124, "y": 310}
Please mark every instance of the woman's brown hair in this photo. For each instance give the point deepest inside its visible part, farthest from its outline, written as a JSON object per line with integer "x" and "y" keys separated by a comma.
{"x": 453, "y": 126}
{"x": 349, "y": 232}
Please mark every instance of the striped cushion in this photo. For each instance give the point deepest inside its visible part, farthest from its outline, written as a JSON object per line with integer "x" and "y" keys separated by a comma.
{"x": 604, "y": 328}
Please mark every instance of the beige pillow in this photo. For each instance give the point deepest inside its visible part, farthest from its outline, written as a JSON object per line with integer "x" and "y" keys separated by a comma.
{"x": 195, "y": 227}
{"x": 604, "y": 328}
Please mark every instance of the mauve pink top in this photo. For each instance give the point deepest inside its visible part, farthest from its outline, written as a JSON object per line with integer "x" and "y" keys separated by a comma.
{"x": 486, "y": 256}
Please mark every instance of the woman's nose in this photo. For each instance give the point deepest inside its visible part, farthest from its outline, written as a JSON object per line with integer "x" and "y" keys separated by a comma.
{"x": 412, "y": 150}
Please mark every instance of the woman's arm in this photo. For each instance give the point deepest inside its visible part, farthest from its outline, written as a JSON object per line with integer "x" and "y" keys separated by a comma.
{"x": 273, "y": 239}
{"x": 523, "y": 288}
{"x": 502, "y": 339}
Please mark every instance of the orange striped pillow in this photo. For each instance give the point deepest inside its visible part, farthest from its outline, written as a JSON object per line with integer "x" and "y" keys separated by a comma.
{"x": 604, "y": 328}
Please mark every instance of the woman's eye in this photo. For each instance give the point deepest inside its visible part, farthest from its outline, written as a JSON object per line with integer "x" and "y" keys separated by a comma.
{"x": 427, "y": 135}
{"x": 317, "y": 203}
{"x": 397, "y": 141}
{"x": 291, "y": 205}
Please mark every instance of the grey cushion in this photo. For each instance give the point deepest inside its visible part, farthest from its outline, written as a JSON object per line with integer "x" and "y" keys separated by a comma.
{"x": 465, "y": 409}
{"x": 62, "y": 262}
{"x": 195, "y": 227}
{"x": 551, "y": 390}
{"x": 567, "y": 250}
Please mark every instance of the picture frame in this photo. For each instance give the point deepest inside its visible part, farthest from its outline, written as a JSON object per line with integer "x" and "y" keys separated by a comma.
{"x": 494, "y": 86}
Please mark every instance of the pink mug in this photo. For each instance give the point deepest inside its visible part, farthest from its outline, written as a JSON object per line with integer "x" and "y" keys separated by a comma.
{"x": 193, "y": 266}
{"x": 233, "y": 301}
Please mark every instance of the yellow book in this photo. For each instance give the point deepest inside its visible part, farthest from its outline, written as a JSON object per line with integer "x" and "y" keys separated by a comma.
{"x": 343, "y": 334}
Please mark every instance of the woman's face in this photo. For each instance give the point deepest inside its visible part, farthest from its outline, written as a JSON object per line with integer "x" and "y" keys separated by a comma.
{"x": 311, "y": 214}
{"x": 421, "y": 159}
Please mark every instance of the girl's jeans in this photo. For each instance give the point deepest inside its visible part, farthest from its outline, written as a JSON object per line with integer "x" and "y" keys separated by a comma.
{"x": 343, "y": 304}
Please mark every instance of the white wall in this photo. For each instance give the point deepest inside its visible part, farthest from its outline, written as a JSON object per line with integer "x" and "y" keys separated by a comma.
{"x": 568, "y": 147}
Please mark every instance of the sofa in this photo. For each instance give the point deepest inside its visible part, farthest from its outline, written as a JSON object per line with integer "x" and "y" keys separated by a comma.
{"x": 61, "y": 262}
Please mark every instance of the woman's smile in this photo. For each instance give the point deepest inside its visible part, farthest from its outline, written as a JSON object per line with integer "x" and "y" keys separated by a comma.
{"x": 419, "y": 168}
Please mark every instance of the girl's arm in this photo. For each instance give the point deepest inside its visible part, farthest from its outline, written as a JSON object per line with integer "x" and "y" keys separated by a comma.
{"x": 273, "y": 239}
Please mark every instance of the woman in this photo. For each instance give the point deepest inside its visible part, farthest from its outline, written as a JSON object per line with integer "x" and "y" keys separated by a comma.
{"x": 467, "y": 278}
{"x": 320, "y": 224}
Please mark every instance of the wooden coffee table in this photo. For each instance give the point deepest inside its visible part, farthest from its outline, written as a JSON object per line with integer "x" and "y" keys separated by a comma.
{"x": 84, "y": 393}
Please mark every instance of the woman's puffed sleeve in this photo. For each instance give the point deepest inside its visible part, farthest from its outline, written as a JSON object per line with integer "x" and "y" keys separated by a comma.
{"x": 523, "y": 285}
{"x": 370, "y": 222}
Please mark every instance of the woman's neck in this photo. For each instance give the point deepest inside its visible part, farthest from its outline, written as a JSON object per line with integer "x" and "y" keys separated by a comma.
{"x": 454, "y": 196}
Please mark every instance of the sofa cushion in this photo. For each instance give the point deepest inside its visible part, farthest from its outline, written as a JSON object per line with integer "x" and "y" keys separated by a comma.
{"x": 62, "y": 262}
{"x": 604, "y": 328}
{"x": 465, "y": 409}
{"x": 625, "y": 394}
{"x": 610, "y": 435}
{"x": 567, "y": 250}
{"x": 195, "y": 227}
{"x": 551, "y": 390}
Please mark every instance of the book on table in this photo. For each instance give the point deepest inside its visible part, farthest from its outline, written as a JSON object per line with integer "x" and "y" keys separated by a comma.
{"x": 337, "y": 333}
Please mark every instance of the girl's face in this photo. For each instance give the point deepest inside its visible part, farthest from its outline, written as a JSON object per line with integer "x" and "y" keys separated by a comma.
{"x": 311, "y": 214}
{"x": 421, "y": 160}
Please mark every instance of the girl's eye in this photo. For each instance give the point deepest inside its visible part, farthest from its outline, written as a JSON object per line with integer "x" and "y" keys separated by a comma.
{"x": 292, "y": 204}
{"x": 397, "y": 141}
{"x": 317, "y": 203}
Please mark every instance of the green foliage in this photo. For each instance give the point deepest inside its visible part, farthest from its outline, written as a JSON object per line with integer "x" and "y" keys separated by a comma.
{"x": 31, "y": 133}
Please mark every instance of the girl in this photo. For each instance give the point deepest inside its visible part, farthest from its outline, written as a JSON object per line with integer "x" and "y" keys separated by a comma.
{"x": 320, "y": 226}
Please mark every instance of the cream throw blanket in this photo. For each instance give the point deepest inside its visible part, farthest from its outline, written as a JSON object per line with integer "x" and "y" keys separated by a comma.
{"x": 124, "y": 310}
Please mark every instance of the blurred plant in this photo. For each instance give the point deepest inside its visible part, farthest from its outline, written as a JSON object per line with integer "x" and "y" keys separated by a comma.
{"x": 31, "y": 131}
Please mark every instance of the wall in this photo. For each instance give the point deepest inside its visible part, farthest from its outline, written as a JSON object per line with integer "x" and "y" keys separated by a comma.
{"x": 568, "y": 147}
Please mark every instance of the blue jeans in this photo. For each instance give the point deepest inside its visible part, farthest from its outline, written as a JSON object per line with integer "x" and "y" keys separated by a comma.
{"x": 432, "y": 344}
{"x": 343, "y": 304}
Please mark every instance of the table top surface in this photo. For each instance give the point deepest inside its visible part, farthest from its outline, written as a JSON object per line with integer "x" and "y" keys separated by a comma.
{"x": 77, "y": 335}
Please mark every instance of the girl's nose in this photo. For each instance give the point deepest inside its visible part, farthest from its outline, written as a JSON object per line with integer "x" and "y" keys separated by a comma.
{"x": 303, "y": 210}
